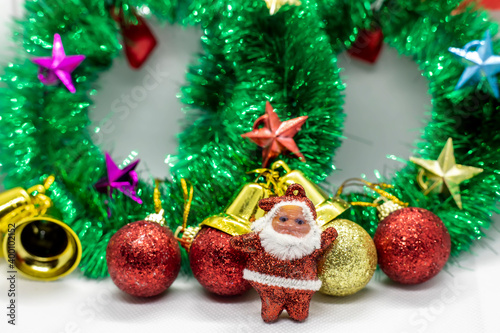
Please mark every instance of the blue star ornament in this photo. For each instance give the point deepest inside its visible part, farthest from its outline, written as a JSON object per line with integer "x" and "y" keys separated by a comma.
{"x": 481, "y": 63}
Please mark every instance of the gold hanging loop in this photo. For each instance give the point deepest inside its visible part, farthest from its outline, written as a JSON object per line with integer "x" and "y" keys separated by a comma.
{"x": 327, "y": 208}
{"x": 188, "y": 233}
{"x": 281, "y": 164}
{"x": 188, "y": 198}
{"x": 40, "y": 200}
{"x": 376, "y": 187}
{"x": 157, "y": 216}
{"x": 364, "y": 204}
{"x": 157, "y": 196}
{"x": 272, "y": 178}
{"x": 427, "y": 189}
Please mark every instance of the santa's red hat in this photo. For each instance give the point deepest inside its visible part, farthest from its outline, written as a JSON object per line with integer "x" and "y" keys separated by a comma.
{"x": 294, "y": 194}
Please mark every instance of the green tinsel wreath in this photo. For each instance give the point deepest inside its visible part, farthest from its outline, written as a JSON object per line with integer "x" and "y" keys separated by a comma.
{"x": 249, "y": 57}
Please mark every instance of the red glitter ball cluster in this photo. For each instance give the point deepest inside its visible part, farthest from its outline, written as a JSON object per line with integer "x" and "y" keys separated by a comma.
{"x": 143, "y": 258}
{"x": 216, "y": 265}
{"x": 412, "y": 244}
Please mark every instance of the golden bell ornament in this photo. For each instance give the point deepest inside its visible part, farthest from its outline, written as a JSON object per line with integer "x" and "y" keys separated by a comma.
{"x": 327, "y": 208}
{"x": 349, "y": 265}
{"x": 40, "y": 247}
{"x": 242, "y": 211}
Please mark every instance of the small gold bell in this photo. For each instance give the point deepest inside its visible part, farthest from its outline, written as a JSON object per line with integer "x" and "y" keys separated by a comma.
{"x": 242, "y": 211}
{"x": 327, "y": 208}
{"x": 38, "y": 246}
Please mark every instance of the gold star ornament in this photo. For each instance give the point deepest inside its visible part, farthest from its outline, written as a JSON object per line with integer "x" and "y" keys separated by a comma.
{"x": 445, "y": 174}
{"x": 275, "y": 5}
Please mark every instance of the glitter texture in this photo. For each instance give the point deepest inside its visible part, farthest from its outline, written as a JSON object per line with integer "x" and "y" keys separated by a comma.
{"x": 423, "y": 31}
{"x": 45, "y": 129}
{"x": 280, "y": 296}
{"x": 350, "y": 264}
{"x": 216, "y": 265}
{"x": 412, "y": 244}
{"x": 248, "y": 58}
{"x": 276, "y": 299}
{"x": 143, "y": 258}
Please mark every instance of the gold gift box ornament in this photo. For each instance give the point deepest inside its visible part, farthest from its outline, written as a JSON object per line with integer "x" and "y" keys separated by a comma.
{"x": 38, "y": 246}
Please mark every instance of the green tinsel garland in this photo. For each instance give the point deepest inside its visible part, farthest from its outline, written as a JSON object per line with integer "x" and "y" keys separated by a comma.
{"x": 470, "y": 116}
{"x": 249, "y": 57}
{"x": 230, "y": 86}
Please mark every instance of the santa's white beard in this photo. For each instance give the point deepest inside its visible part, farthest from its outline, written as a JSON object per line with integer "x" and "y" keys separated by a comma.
{"x": 284, "y": 246}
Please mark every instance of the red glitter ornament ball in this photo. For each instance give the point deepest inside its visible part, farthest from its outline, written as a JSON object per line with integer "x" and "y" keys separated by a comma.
{"x": 143, "y": 258}
{"x": 216, "y": 265}
{"x": 412, "y": 244}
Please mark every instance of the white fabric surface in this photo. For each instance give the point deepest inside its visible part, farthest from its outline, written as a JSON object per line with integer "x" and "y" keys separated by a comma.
{"x": 385, "y": 105}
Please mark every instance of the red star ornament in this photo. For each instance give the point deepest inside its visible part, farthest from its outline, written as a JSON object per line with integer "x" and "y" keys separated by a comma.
{"x": 276, "y": 137}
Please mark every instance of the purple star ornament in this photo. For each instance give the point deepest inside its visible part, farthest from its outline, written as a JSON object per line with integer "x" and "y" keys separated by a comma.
{"x": 58, "y": 66}
{"x": 124, "y": 180}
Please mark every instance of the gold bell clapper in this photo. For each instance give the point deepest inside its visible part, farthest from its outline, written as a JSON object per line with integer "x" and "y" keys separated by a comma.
{"x": 327, "y": 208}
{"x": 38, "y": 246}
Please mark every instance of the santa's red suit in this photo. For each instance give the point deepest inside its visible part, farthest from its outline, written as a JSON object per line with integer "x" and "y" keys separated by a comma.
{"x": 284, "y": 284}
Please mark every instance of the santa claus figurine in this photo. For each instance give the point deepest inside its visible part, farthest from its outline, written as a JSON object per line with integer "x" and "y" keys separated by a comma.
{"x": 283, "y": 251}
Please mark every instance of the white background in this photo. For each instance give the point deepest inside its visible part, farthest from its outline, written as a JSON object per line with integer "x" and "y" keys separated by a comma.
{"x": 386, "y": 105}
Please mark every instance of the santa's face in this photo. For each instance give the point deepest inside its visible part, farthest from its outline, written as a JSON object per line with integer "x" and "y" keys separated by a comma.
{"x": 289, "y": 231}
{"x": 290, "y": 220}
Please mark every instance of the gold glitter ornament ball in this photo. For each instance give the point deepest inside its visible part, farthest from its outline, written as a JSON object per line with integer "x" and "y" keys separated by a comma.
{"x": 349, "y": 265}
